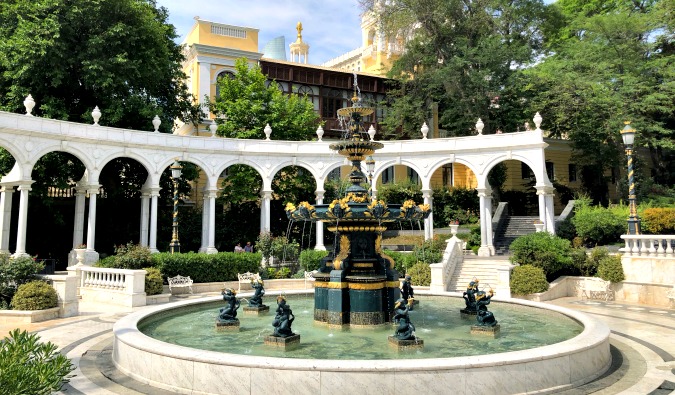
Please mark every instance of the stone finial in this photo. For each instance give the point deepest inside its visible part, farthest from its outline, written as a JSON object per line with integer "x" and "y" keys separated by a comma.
{"x": 29, "y": 103}
{"x": 479, "y": 126}
{"x": 537, "y": 121}
{"x": 156, "y": 122}
{"x": 213, "y": 128}
{"x": 425, "y": 131}
{"x": 319, "y": 132}
{"x": 96, "y": 114}
{"x": 268, "y": 131}
{"x": 371, "y": 132}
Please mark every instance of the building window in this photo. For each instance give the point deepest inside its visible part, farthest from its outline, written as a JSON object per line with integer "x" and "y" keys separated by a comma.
{"x": 550, "y": 170}
{"x": 572, "y": 170}
{"x": 412, "y": 176}
{"x": 332, "y": 101}
{"x": 448, "y": 179}
{"x": 275, "y": 84}
{"x": 228, "y": 31}
{"x": 525, "y": 171}
{"x": 388, "y": 175}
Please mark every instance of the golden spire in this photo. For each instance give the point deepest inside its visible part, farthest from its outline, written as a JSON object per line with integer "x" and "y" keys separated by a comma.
{"x": 298, "y": 27}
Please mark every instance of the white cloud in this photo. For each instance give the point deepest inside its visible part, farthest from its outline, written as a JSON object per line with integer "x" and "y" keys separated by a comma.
{"x": 330, "y": 27}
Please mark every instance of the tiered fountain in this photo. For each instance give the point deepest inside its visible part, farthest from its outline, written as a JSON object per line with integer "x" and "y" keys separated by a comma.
{"x": 356, "y": 284}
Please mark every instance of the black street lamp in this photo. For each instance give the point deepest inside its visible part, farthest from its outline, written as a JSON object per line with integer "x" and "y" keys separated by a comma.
{"x": 175, "y": 175}
{"x": 370, "y": 166}
{"x": 628, "y": 136}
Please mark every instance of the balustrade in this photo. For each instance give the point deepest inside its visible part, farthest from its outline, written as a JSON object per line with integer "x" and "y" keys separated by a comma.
{"x": 649, "y": 245}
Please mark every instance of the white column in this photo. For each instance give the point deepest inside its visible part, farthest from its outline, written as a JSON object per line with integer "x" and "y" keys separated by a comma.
{"x": 153, "y": 221}
{"x": 6, "y": 193}
{"x": 484, "y": 250}
{"x": 23, "y": 221}
{"x": 211, "y": 248}
{"x": 78, "y": 224}
{"x": 91, "y": 223}
{"x": 205, "y": 221}
{"x": 204, "y": 87}
{"x": 319, "y": 225}
{"x": 427, "y": 194}
{"x": 545, "y": 193}
{"x": 145, "y": 217}
{"x": 266, "y": 196}
{"x": 488, "y": 222}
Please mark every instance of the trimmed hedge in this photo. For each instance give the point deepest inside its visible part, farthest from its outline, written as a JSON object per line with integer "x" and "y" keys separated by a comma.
{"x": 207, "y": 268}
{"x": 153, "y": 281}
{"x": 35, "y": 295}
{"x": 610, "y": 269}
{"x": 543, "y": 250}
{"x": 658, "y": 221}
{"x": 598, "y": 225}
{"x": 420, "y": 274}
{"x": 528, "y": 279}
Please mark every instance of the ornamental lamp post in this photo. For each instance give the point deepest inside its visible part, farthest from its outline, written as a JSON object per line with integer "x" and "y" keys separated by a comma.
{"x": 370, "y": 166}
{"x": 175, "y": 175}
{"x": 628, "y": 136}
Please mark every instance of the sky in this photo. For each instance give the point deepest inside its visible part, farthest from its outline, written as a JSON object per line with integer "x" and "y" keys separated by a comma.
{"x": 330, "y": 27}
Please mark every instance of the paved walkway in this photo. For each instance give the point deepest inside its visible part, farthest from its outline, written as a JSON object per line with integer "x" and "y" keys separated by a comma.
{"x": 642, "y": 339}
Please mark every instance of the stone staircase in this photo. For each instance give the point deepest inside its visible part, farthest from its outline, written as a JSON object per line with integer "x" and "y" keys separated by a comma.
{"x": 512, "y": 228}
{"x": 483, "y": 268}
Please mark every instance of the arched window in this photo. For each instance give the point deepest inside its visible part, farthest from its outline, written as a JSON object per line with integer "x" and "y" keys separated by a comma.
{"x": 276, "y": 84}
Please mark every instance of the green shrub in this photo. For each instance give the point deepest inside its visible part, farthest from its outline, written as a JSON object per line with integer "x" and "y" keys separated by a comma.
{"x": 544, "y": 250}
{"x": 610, "y": 269}
{"x": 206, "y": 268}
{"x": 593, "y": 259}
{"x": 566, "y": 229}
{"x": 35, "y": 295}
{"x": 13, "y": 273}
{"x": 528, "y": 279}
{"x": 282, "y": 272}
{"x": 284, "y": 250}
{"x": 310, "y": 260}
{"x": 402, "y": 260}
{"x": 579, "y": 262}
{"x": 598, "y": 225}
{"x": 132, "y": 256}
{"x": 153, "y": 281}
{"x": 474, "y": 239}
{"x": 420, "y": 274}
{"x": 109, "y": 262}
{"x": 264, "y": 245}
{"x": 431, "y": 251}
{"x": 28, "y": 366}
{"x": 658, "y": 221}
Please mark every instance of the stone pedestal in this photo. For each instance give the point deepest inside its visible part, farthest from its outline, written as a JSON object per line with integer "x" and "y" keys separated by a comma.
{"x": 232, "y": 326}
{"x": 405, "y": 345}
{"x": 256, "y": 310}
{"x": 485, "y": 330}
{"x": 468, "y": 313}
{"x": 285, "y": 343}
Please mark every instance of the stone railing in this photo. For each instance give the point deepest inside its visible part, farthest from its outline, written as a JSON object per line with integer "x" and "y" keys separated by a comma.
{"x": 442, "y": 272}
{"x": 115, "y": 286}
{"x": 648, "y": 245}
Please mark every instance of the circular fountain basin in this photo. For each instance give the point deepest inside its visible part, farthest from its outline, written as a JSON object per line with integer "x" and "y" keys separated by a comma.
{"x": 189, "y": 370}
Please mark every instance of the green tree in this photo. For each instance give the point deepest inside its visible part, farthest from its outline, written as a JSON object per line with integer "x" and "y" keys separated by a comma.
{"x": 608, "y": 62}
{"x": 462, "y": 55}
{"x": 247, "y": 102}
{"x": 73, "y": 55}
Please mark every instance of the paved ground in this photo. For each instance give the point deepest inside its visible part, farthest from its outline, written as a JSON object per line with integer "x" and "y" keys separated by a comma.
{"x": 642, "y": 339}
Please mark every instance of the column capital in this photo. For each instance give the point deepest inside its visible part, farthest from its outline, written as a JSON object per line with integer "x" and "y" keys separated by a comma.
{"x": 266, "y": 194}
{"x": 211, "y": 193}
{"x": 427, "y": 193}
{"x": 319, "y": 193}
{"x": 25, "y": 187}
{"x": 545, "y": 189}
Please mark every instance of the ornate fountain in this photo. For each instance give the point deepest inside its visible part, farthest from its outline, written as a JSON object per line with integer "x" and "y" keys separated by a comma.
{"x": 356, "y": 284}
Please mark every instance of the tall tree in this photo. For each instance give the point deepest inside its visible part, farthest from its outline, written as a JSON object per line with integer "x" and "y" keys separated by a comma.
{"x": 245, "y": 104}
{"x": 73, "y": 55}
{"x": 609, "y": 62}
{"x": 463, "y": 55}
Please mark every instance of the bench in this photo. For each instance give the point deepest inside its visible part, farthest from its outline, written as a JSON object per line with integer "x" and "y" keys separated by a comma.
{"x": 180, "y": 282}
{"x": 245, "y": 278}
{"x": 595, "y": 285}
